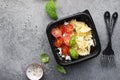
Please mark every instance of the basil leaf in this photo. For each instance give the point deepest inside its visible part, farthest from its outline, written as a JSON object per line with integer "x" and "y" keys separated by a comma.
{"x": 73, "y": 53}
{"x": 51, "y": 9}
{"x": 44, "y": 58}
{"x": 60, "y": 69}
{"x": 72, "y": 40}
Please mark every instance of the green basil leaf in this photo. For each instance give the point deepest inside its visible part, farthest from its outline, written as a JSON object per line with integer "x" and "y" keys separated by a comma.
{"x": 51, "y": 9}
{"x": 44, "y": 58}
{"x": 73, "y": 53}
{"x": 72, "y": 40}
{"x": 60, "y": 69}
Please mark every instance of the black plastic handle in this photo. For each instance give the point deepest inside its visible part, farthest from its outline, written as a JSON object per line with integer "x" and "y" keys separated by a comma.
{"x": 110, "y": 24}
{"x": 107, "y": 22}
{"x": 114, "y": 20}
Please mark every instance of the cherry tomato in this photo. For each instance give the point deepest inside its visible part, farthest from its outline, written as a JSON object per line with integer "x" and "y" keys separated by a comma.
{"x": 58, "y": 42}
{"x": 62, "y": 28}
{"x": 69, "y": 28}
{"x": 66, "y": 39}
{"x": 56, "y": 32}
{"x": 65, "y": 49}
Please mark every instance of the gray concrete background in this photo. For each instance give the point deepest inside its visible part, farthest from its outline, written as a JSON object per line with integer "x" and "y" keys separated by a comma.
{"x": 22, "y": 39}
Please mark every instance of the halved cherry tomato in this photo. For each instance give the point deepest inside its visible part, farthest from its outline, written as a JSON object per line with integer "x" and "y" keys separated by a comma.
{"x": 62, "y": 28}
{"x": 56, "y": 32}
{"x": 69, "y": 28}
{"x": 65, "y": 49}
{"x": 58, "y": 42}
{"x": 66, "y": 39}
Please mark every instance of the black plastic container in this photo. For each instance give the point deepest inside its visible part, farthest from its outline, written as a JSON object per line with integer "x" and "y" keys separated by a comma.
{"x": 81, "y": 16}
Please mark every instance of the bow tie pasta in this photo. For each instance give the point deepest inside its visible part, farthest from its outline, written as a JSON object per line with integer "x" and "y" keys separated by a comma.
{"x": 84, "y": 39}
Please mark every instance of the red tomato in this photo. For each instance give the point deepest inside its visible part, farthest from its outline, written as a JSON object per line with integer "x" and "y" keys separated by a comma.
{"x": 58, "y": 42}
{"x": 65, "y": 50}
{"x": 62, "y": 28}
{"x": 67, "y": 38}
{"x": 56, "y": 32}
{"x": 69, "y": 28}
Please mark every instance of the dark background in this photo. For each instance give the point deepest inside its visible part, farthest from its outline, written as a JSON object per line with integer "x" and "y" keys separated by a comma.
{"x": 23, "y": 38}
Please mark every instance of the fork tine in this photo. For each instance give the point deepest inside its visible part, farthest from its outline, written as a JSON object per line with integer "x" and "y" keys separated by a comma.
{"x": 108, "y": 61}
{"x": 112, "y": 61}
{"x": 103, "y": 61}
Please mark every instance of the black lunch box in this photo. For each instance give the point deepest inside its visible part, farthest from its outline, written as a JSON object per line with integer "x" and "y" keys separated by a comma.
{"x": 81, "y": 16}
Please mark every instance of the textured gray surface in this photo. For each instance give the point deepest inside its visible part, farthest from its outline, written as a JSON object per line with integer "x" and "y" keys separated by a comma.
{"x": 23, "y": 38}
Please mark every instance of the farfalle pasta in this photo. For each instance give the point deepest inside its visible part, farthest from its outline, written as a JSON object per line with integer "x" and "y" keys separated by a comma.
{"x": 84, "y": 39}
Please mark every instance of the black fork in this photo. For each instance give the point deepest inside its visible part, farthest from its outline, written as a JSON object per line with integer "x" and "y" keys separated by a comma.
{"x": 108, "y": 53}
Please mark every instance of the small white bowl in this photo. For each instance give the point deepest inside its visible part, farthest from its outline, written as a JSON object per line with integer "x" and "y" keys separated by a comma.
{"x": 34, "y": 71}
